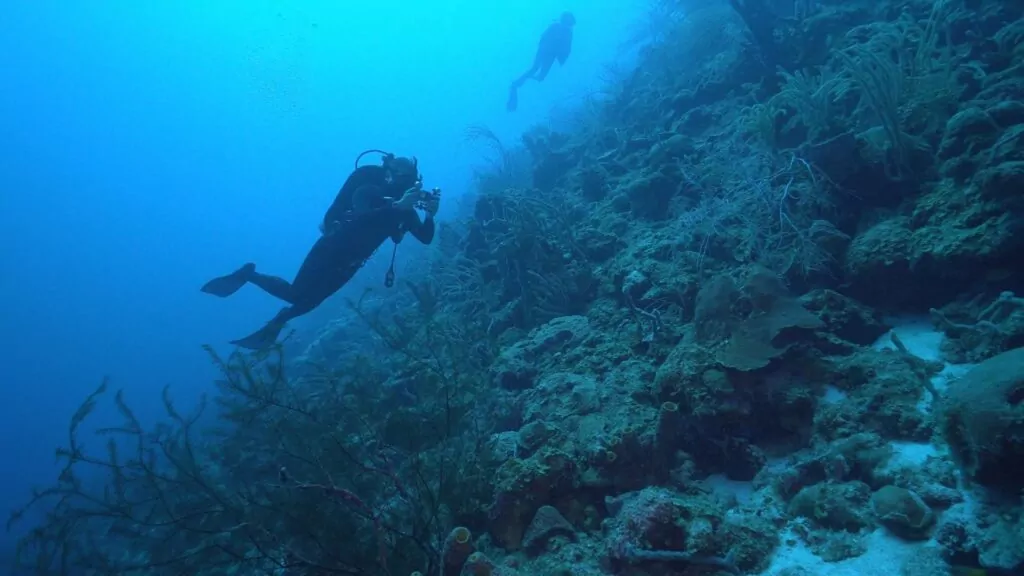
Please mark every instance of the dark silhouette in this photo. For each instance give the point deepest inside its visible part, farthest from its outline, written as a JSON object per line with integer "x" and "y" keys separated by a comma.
{"x": 555, "y": 44}
{"x": 374, "y": 204}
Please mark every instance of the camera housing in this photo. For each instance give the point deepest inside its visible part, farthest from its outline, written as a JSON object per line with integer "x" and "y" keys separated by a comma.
{"x": 434, "y": 194}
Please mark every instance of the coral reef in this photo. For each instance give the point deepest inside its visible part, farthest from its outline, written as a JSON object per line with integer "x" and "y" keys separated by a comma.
{"x": 753, "y": 312}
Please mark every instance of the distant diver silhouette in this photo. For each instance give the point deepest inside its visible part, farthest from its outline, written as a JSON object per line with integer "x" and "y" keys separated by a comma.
{"x": 555, "y": 44}
{"x": 363, "y": 215}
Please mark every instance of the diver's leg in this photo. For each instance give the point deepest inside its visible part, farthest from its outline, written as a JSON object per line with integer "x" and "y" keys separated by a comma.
{"x": 311, "y": 291}
{"x": 333, "y": 260}
{"x": 543, "y": 69}
{"x": 529, "y": 73}
{"x": 519, "y": 81}
{"x": 228, "y": 285}
{"x": 295, "y": 291}
{"x": 273, "y": 285}
{"x": 513, "y": 91}
{"x": 266, "y": 337}
{"x": 225, "y": 286}
{"x": 513, "y": 98}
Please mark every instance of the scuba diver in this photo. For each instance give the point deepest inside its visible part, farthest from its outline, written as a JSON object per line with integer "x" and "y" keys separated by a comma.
{"x": 555, "y": 44}
{"x": 374, "y": 204}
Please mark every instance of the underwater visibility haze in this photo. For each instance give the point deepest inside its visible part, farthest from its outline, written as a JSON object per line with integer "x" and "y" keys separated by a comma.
{"x": 147, "y": 146}
{"x": 646, "y": 288}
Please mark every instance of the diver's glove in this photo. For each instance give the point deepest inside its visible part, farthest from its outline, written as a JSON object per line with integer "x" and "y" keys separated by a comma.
{"x": 412, "y": 197}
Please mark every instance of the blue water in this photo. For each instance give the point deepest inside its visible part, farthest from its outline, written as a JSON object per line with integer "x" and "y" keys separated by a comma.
{"x": 148, "y": 146}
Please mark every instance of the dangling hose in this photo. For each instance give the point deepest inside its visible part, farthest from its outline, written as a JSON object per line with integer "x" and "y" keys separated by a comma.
{"x": 389, "y": 278}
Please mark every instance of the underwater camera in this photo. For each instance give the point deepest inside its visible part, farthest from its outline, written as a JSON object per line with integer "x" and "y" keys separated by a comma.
{"x": 435, "y": 193}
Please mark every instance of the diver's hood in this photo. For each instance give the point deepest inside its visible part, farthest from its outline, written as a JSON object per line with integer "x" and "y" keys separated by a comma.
{"x": 401, "y": 166}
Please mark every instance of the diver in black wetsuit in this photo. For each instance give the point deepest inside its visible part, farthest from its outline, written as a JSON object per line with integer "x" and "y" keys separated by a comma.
{"x": 555, "y": 44}
{"x": 374, "y": 204}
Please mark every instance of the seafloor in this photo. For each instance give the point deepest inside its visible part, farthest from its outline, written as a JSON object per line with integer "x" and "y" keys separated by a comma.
{"x": 753, "y": 309}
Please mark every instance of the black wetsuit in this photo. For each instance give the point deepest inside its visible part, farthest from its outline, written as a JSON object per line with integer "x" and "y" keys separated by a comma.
{"x": 555, "y": 44}
{"x": 359, "y": 220}
{"x": 338, "y": 255}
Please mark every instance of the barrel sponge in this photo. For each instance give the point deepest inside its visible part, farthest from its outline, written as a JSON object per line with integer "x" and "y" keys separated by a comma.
{"x": 983, "y": 422}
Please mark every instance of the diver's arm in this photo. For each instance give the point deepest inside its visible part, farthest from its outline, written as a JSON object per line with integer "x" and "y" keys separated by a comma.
{"x": 410, "y": 218}
{"x": 402, "y": 215}
{"x": 422, "y": 230}
{"x": 401, "y": 219}
{"x": 565, "y": 47}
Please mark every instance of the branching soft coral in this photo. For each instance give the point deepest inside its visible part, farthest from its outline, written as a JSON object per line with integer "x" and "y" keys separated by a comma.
{"x": 904, "y": 73}
{"x": 292, "y": 476}
{"x": 153, "y": 503}
{"x": 997, "y": 327}
{"x": 761, "y": 207}
{"x": 813, "y": 95}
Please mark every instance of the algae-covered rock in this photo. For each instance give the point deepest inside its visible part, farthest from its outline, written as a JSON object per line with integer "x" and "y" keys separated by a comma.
{"x": 988, "y": 531}
{"x": 969, "y": 134}
{"x": 649, "y": 194}
{"x": 533, "y": 435}
{"x": 878, "y": 391}
{"x": 858, "y": 457}
{"x": 966, "y": 130}
{"x": 1003, "y": 181}
{"x": 547, "y": 523}
{"x": 521, "y": 487}
{"x": 903, "y": 512}
{"x": 844, "y": 316}
{"x": 955, "y": 235}
{"x": 656, "y": 525}
{"x": 983, "y": 421}
{"x": 833, "y": 506}
{"x": 879, "y": 259}
{"x": 518, "y": 366}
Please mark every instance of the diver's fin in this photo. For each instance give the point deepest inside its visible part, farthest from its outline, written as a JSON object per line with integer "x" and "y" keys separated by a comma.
{"x": 513, "y": 98}
{"x": 228, "y": 285}
{"x": 263, "y": 338}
